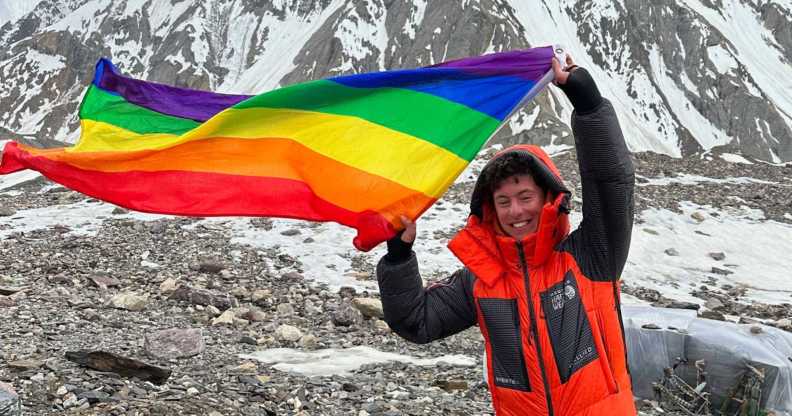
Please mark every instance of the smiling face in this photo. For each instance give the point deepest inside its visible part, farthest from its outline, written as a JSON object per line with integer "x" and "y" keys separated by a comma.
{"x": 518, "y": 204}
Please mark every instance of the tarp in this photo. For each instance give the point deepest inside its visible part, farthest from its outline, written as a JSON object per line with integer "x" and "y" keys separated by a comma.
{"x": 725, "y": 347}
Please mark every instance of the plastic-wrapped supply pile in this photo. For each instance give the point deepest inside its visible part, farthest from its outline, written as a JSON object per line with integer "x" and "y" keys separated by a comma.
{"x": 9, "y": 401}
{"x": 659, "y": 338}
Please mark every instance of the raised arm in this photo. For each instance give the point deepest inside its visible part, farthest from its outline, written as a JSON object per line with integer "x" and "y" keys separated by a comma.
{"x": 602, "y": 241}
{"x": 419, "y": 314}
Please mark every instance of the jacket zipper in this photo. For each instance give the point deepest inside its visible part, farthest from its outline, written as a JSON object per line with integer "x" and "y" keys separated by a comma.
{"x": 534, "y": 332}
{"x": 617, "y": 302}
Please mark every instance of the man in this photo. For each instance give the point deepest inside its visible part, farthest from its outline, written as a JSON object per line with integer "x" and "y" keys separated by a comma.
{"x": 546, "y": 300}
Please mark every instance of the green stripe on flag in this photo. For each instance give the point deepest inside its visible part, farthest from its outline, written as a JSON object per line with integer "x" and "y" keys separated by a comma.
{"x": 447, "y": 124}
{"x": 99, "y": 105}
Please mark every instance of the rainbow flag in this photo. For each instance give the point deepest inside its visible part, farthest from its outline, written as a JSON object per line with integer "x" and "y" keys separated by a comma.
{"x": 359, "y": 150}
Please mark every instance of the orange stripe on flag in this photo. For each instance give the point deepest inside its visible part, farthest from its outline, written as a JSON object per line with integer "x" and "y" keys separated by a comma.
{"x": 273, "y": 158}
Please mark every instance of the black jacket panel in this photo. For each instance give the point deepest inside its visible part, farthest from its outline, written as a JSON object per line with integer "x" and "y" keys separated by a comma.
{"x": 424, "y": 315}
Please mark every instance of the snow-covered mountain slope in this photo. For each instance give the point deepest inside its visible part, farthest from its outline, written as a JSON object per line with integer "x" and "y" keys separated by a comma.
{"x": 11, "y": 10}
{"x": 686, "y": 76}
{"x": 683, "y": 73}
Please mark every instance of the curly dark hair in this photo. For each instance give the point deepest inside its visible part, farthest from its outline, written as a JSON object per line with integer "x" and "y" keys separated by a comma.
{"x": 506, "y": 166}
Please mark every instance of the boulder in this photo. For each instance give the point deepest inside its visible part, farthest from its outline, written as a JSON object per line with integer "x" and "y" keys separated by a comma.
{"x": 288, "y": 333}
{"x": 369, "y": 307}
{"x": 174, "y": 343}
{"x": 129, "y": 301}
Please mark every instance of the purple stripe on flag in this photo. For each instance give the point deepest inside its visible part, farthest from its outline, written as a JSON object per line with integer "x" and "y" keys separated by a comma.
{"x": 173, "y": 101}
{"x": 532, "y": 64}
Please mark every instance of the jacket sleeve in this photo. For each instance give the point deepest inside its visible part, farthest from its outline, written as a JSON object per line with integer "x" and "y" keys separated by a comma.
{"x": 602, "y": 241}
{"x": 419, "y": 314}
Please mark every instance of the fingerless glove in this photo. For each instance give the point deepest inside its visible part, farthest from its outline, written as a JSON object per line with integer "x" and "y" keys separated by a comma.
{"x": 582, "y": 91}
{"x": 398, "y": 250}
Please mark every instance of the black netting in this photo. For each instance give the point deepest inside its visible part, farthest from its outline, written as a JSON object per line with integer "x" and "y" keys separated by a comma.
{"x": 568, "y": 326}
{"x": 503, "y": 326}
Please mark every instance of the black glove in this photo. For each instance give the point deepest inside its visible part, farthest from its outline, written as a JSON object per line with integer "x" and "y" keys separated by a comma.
{"x": 398, "y": 250}
{"x": 582, "y": 91}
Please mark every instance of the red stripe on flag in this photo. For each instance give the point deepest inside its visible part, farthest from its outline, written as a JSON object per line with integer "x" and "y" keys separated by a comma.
{"x": 206, "y": 194}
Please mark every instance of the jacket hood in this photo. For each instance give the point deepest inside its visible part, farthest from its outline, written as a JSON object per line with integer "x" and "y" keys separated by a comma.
{"x": 489, "y": 255}
{"x": 539, "y": 165}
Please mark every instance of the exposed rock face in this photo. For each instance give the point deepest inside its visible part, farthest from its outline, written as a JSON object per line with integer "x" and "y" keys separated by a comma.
{"x": 682, "y": 76}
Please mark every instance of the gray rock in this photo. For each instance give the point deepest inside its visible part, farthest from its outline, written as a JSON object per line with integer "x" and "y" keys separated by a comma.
{"x": 70, "y": 400}
{"x": 347, "y": 292}
{"x": 713, "y": 303}
{"x": 158, "y": 227}
{"x": 125, "y": 366}
{"x": 714, "y": 315}
{"x": 285, "y": 310}
{"x": 240, "y": 292}
{"x": 698, "y": 216}
{"x": 717, "y": 256}
{"x": 290, "y": 232}
{"x": 174, "y": 343}
{"x": 129, "y": 301}
{"x": 204, "y": 297}
{"x": 254, "y": 315}
{"x": 213, "y": 311}
{"x": 684, "y": 305}
{"x": 720, "y": 271}
{"x": 308, "y": 341}
{"x": 785, "y": 324}
{"x": 346, "y": 315}
{"x": 293, "y": 276}
{"x": 451, "y": 385}
{"x": 7, "y": 290}
{"x": 248, "y": 340}
{"x": 103, "y": 282}
{"x": 168, "y": 285}
{"x": 6, "y": 212}
{"x": 748, "y": 321}
{"x": 209, "y": 266}
{"x": 260, "y": 295}
{"x": 310, "y": 309}
{"x": 227, "y": 318}
{"x": 671, "y": 252}
{"x": 24, "y": 365}
{"x": 288, "y": 333}
{"x": 93, "y": 396}
{"x": 369, "y": 307}
{"x": 381, "y": 326}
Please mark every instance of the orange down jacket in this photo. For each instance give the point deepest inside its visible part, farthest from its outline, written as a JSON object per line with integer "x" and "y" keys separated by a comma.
{"x": 548, "y": 306}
